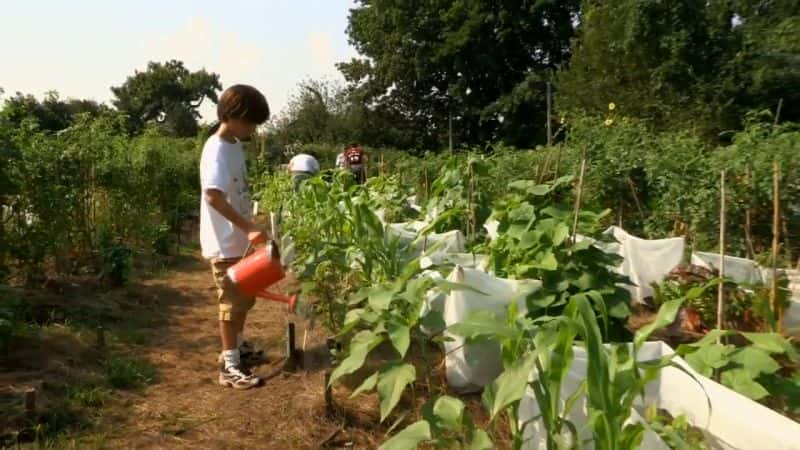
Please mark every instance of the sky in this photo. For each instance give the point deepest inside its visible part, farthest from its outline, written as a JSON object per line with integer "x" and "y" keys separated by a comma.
{"x": 81, "y": 48}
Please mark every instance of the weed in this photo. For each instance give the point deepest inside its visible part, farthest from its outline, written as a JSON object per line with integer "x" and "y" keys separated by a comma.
{"x": 129, "y": 373}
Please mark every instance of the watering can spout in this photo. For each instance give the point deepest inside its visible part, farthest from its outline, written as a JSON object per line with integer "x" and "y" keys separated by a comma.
{"x": 290, "y": 300}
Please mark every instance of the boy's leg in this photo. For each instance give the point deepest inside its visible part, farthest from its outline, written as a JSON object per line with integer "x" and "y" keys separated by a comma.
{"x": 233, "y": 307}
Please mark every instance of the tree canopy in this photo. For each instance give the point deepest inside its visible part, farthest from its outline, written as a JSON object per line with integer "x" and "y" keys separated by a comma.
{"x": 484, "y": 63}
{"x": 167, "y": 93}
{"x": 686, "y": 63}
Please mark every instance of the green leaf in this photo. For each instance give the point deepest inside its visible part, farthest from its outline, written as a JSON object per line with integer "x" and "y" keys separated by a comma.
{"x": 380, "y": 299}
{"x": 400, "y": 335}
{"x": 741, "y": 381}
{"x": 433, "y": 321}
{"x": 361, "y": 344}
{"x": 710, "y": 357}
{"x": 450, "y": 411}
{"x": 367, "y": 385}
{"x": 480, "y": 440}
{"x": 391, "y": 383}
{"x": 509, "y": 387}
{"x": 482, "y": 324}
{"x": 522, "y": 213}
{"x": 755, "y": 361}
{"x": 769, "y": 342}
{"x": 409, "y": 438}
{"x": 666, "y": 315}
{"x": 560, "y": 234}
{"x": 546, "y": 261}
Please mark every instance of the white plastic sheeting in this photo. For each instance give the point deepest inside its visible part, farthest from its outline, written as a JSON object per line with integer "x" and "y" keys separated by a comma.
{"x": 740, "y": 270}
{"x": 644, "y": 261}
{"x": 732, "y": 421}
{"x": 535, "y": 432}
{"x": 430, "y": 244}
{"x": 467, "y": 260}
{"x": 472, "y": 366}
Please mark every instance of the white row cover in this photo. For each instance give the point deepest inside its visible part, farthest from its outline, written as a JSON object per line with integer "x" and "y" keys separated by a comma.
{"x": 732, "y": 422}
{"x": 472, "y": 366}
{"x": 644, "y": 261}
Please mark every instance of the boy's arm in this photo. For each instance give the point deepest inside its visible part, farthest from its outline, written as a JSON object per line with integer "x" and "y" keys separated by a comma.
{"x": 216, "y": 199}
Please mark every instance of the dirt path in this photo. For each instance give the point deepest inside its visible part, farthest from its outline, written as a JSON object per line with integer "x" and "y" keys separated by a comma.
{"x": 185, "y": 408}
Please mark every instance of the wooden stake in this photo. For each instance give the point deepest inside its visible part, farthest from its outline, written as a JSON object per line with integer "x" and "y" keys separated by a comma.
{"x": 291, "y": 350}
{"x": 101, "y": 337}
{"x": 748, "y": 221}
{"x": 330, "y": 409}
{"x": 778, "y": 112}
{"x": 30, "y": 402}
{"x": 549, "y": 119}
{"x": 450, "y": 131}
{"x": 721, "y": 287}
{"x": 776, "y": 219}
{"x": 578, "y": 200}
{"x": 636, "y": 198}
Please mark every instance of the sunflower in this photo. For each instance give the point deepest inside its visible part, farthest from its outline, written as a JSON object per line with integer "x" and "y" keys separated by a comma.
{"x": 609, "y": 122}
{"x": 612, "y": 106}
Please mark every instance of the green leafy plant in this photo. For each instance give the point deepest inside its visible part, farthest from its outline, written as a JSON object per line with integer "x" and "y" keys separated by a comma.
{"x": 763, "y": 367}
{"x": 535, "y": 242}
{"x": 446, "y": 425}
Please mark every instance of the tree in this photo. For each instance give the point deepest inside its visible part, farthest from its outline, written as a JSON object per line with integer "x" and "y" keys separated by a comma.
{"x": 687, "y": 63}
{"x": 51, "y": 114}
{"x": 166, "y": 93}
{"x": 483, "y": 63}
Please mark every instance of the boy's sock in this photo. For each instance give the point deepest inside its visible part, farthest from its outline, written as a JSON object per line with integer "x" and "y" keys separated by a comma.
{"x": 231, "y": 357}
{"x": 239, "y": 339}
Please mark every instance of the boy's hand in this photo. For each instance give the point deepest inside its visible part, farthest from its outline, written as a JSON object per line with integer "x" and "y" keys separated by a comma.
{"x": 256, "y": 236}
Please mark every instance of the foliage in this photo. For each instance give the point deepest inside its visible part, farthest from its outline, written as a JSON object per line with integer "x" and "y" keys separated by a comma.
{"x": 614, "y": 376}
{"x": 681, "y": 64}
{"x": 51, "y": 114}
{"x": 535, "y": 241}
{"x": 677, "y": 433}
{"x": 753, "y": 369}
{"x": 423, "y": 61}
{"x": 446, "y": 425}
{"x": 167, "y": 93}
{"x": 129, "y": 373}
{"x": 77, "y": 198}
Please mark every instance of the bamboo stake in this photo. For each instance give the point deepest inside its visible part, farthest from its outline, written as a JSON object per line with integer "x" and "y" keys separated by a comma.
{"x": 546, "y": 166}
{"x": 776, "y": 218}
{"x": 748, "y": 222}
{"x": 636, "y": 198}
{"x": 578, "y": 200}
{"x": 778, "y": 112}
{"x": 549, "y": 119}
{"x": 721, "y": 287}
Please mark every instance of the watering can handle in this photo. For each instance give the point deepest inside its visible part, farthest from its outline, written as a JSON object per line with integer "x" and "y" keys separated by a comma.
{"x": 272, "y": 249}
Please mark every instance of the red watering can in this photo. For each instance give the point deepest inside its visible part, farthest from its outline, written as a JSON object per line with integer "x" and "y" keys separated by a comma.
{"x": 253, "y": 274}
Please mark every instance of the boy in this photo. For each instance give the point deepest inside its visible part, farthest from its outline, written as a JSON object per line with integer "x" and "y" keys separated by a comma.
{"x": 226, "y": 226}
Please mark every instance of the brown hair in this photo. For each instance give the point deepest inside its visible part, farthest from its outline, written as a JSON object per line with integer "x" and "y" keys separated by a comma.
{"x": 241, "y": 101}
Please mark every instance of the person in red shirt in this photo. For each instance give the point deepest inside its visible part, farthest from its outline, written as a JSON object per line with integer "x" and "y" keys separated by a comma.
{"x": 355, "y": 161}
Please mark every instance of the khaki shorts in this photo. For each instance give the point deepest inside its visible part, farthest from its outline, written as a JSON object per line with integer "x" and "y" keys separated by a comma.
{"x": 233, "y": 305}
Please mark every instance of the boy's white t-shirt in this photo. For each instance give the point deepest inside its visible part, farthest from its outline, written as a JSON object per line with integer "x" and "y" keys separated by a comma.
{"x": 222, "y": 167}
{"x": 304, "y": 163}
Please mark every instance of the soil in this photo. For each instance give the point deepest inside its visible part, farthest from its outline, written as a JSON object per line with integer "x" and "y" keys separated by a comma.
{"x": 173, "y": 321}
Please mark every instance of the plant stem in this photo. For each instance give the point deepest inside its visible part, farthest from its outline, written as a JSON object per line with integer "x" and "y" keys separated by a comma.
{"x": 748, "y": 226}
{"x": 578, "y": 200}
